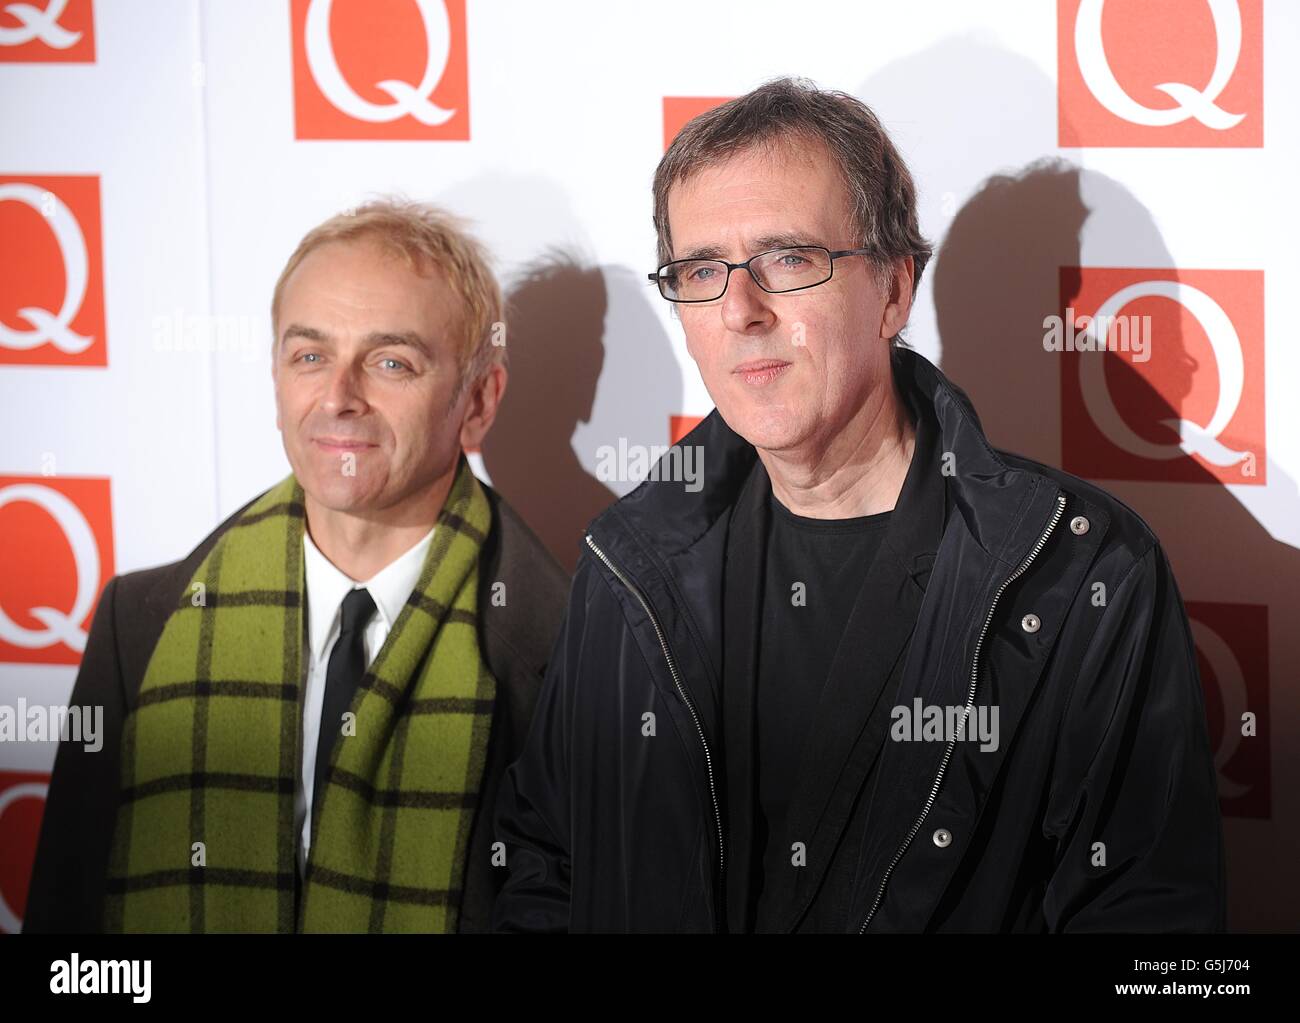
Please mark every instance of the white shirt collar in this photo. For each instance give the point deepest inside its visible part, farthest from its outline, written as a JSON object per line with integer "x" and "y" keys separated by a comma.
{"x": 327, "y": 586}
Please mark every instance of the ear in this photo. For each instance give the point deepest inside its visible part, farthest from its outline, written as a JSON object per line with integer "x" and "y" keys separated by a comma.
{"x": 898, "y": 303}
{"x": 481, "y": 409}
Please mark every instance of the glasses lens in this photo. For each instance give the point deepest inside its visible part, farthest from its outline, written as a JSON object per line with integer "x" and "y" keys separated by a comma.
{"x": 790, "y": 269}
{"x": 693, "y": 280}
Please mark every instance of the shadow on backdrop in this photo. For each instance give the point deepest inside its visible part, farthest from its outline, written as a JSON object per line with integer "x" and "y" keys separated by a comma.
{"x": 555, "y": 322}
{"x": 996, "y": 276}
{"x": 554, "y": 416}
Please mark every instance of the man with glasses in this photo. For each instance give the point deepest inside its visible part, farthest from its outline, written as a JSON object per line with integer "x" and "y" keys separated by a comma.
{"x": 874, "y": 675}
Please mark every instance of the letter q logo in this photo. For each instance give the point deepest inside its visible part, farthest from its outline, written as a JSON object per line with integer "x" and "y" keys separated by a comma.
{"x": 47, "y": 32}
{"x": 1232, "y": 656}
{"x": 51, "y": 272}
{"x": 22, "y": 804}
{"x": 56, "y": 545}
{"x": 1174, "y": 390}
{"x": 396, "y": 70}
{"x": 1160, "y": 73}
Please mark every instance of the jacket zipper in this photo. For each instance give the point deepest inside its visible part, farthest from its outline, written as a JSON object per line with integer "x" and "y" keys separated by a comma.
{"x": 970, "y": 700}
{"x": 672, "y": 667}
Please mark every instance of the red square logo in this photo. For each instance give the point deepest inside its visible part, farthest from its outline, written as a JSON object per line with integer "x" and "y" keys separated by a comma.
{"x": 51, "y": 272}
{"x": 396, "y": 69}
{"x": 680, "y": 109}
{"x": 22, "y": 804}
{"x": 49, "y": 32}
{"x": 56, "y": 543}
{"x": 1162, "y": 374}
{"x": 1232, "y": 655}
{"x": 680, "y": 426}
{"x": 1160, "y": 73}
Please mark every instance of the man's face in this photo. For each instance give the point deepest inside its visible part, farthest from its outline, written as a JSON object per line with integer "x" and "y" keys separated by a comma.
{"x": 812, "y": 356}
{"x": 364, "y": 368}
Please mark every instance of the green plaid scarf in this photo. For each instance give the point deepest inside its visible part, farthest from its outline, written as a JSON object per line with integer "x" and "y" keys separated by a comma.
{"x": 211, "y": 752}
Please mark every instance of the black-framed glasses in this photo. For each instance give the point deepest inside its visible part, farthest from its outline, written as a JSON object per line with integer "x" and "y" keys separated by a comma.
{"x": 775, "y": 271}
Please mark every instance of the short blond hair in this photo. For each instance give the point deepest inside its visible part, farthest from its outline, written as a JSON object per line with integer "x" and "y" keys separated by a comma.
{"x": 426, "y": 236}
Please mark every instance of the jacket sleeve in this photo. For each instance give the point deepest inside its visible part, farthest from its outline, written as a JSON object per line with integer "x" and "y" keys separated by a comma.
{"x": 1134, "y": 805}
{"x": 66, "y": 892}
{"x": 533, "y": 807}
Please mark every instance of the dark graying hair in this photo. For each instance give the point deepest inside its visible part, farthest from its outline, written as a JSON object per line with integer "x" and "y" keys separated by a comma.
{"x": 881, "y": 192}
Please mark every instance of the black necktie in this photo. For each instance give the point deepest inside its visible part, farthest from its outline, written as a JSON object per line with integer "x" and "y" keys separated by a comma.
{"x": 347, "y": 665}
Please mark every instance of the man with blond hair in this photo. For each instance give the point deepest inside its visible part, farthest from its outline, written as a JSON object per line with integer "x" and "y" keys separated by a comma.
{"x": 309, "y": 716}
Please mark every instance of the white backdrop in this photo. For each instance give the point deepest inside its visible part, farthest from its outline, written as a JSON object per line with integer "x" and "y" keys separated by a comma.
{"x": 197, "y": 120}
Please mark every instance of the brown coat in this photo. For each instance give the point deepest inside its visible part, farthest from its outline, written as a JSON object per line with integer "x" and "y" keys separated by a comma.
{"x": 67, "y": 885}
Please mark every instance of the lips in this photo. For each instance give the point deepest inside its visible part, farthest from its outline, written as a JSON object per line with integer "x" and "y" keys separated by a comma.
{"x": 761, "y": 371}
{"x": 342, "y": 443}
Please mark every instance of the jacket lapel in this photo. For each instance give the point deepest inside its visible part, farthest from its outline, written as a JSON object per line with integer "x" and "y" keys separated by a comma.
{"x": 999, "y": 513}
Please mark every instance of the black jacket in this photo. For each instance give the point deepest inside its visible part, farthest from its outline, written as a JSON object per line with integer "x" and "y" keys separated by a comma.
{"x": 66, "y": 892}
{"x": 1046, "y": 598}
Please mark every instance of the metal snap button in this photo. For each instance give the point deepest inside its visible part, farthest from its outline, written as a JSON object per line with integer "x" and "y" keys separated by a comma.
{"x": 943, "y": 838}
{"x": 1030, "y": 623}
{"x": 1079, "y": 525}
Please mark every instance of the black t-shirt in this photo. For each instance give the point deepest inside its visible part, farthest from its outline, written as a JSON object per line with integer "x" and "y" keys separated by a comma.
{"x": 815, "y": 569}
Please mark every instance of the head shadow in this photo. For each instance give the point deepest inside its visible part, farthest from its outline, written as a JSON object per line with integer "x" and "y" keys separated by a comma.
{"x": 1001, "y": 267}
{"x": 570, "y": 392}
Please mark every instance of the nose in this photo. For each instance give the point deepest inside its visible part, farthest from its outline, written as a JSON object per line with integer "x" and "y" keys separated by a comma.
{"x": 745, "y": 306}
{"x": 343, "y": 393}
